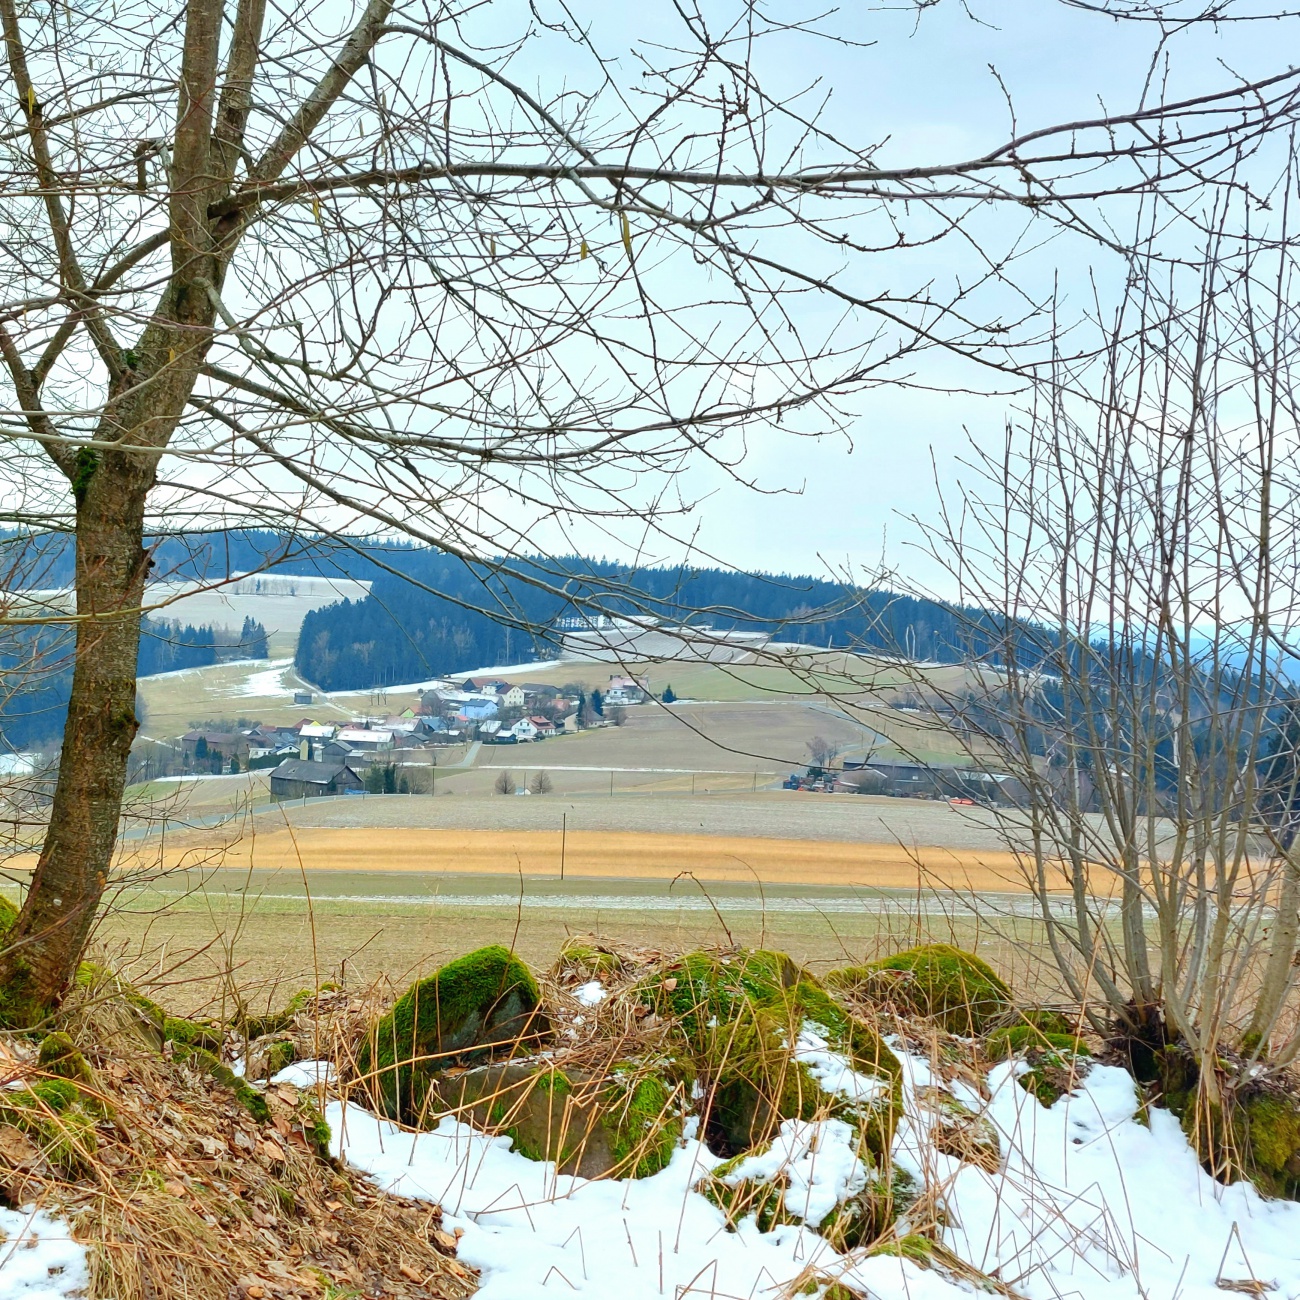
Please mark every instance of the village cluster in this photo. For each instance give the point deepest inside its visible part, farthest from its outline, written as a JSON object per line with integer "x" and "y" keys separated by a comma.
{"x": 311, "y": 757}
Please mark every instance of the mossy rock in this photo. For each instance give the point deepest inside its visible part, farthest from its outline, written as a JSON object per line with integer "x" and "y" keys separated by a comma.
{"x": 1267, "y": 1126}
{"x": 274, "y": 1022}
{"x": 1260, "y": 1139}
{"x": 1014, "y": 1040}
{"x": 8, "y": 915}
{"x": 961, "y": 991}
{"x": 958, "y": 1131}
{"x": 1054, "y": 1071}
{"x": 478, "y": 1004}
{"x": 58, "y": 1118}
{"x": 589, "y": 957}
{"x": 743, "y": 1018}
{"x": 625, "y": 1124}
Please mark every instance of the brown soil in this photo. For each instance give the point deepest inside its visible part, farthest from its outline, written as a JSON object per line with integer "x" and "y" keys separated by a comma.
{"x": 610, "y": 855}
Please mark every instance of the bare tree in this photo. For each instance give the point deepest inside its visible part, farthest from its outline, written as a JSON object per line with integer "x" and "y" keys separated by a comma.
{"x": 822, "y": 752}
{"x": 504, "y": 784}
{"x": 541, "y": 783}
{"x": 1135, "y": 558}
{"x": 339, "y": 270}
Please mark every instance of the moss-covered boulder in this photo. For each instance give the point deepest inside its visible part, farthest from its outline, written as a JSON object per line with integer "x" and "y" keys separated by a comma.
{"x": 962, "y": 991}
{"x": 8, "y": 914}
{"x": 626, "y": 1123}
{"x": 1015, "y": 1040}
{"x": 156, "y": 1024}
{"x": 770, "y": 1044}
{"x": 1253, "y": 1131}
{"x": 483, "y": 1003}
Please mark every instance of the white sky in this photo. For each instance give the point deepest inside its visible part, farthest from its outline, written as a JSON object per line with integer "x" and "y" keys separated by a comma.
{"x": 927, "y": 85}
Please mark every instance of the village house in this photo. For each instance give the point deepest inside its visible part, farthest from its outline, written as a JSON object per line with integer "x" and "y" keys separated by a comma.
{"x": 364, "y": 739}
{"x": 626, "y": 690}
{"x": 545, "y": 727}
{"x": 201, "y": 745}
{"x": 298, "y": 778}
{"x": 524, "y": 731}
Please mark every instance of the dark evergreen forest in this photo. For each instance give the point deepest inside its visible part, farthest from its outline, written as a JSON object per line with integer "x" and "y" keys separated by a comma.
{"x": 459, "y": 617}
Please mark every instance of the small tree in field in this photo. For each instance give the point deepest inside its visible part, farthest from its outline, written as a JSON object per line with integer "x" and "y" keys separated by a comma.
{"x": 541, "y": 784}
{"x": 504, "y": 784}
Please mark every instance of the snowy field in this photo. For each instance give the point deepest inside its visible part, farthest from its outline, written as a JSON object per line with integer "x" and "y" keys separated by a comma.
{"x": 1092, "y": 1201}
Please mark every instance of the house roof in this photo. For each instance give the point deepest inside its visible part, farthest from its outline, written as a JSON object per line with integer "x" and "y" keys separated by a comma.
{"x": 317, "y": 730}
{"x": 213, "y": 737}
{"x": 364, "y": 736}
{"x": 312, "y": 773}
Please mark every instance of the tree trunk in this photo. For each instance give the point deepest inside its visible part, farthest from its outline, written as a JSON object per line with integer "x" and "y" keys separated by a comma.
{"x": 43, "y": 948}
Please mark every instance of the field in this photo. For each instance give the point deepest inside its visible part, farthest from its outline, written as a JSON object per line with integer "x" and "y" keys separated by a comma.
{"x": 670, "y": 830}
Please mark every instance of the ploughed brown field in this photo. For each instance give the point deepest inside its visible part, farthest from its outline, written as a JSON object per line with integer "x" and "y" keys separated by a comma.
{"x": 591, "y": 854}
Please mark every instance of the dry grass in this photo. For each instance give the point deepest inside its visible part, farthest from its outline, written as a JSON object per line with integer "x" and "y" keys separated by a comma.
{"x": 187, "y": 1194}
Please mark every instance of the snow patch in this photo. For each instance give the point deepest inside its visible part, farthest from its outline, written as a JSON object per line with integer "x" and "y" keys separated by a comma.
{"x": 38, "y": 1258}
{"x": 591, "y": 994}
{"x": 832, "y": 1069}
{"x": 816, "y": 1161}
{"x": 306, "y": 1074}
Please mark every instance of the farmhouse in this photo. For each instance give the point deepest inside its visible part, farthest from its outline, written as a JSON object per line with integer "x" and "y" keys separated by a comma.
{"x": 298, "y": 778}
{"x": 214, "y": 744}
{"x": 362, "y": 738}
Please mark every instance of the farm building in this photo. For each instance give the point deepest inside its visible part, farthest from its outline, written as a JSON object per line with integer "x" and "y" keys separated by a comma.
{"x": 214, "y": 744}
{"x": 299, "y": 778}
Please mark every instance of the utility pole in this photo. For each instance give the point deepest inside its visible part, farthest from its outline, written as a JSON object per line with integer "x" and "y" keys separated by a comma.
{"x": 564, "y": 835}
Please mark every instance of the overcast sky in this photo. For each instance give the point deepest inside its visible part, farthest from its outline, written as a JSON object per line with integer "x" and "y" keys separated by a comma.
{"x": 929, "y": 87}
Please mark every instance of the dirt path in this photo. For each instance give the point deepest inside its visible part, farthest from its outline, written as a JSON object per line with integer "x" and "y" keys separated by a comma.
{"x": 591, "y": 854}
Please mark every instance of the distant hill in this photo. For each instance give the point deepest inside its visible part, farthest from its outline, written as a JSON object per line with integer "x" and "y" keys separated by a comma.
{"x": 459, "y": 616}
{"x": 430, "y": 614}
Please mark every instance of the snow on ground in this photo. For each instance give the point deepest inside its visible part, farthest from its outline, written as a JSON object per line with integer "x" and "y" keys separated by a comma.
{"x": 1091, "y": 1203}
{"x": 591, "y": 994}
{"x": 267, "y": 683}
{"x": 38, "y": 1259}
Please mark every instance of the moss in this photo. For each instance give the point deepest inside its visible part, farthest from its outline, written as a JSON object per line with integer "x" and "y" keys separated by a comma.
{"x": 487, "y": 999}
{"x": 588, "y": 956}
{"x": 920, "y": 1250}
{"x": 1053, "y": 1072}
{"x": 643, "y": 1130}
{"x": 58, "y": 1118}
{"x": 279, "y": 1055}
{"x": 247, "y": 1096}
{"x": 275, "y": 1021}
{"x": 1012, "y": 1040}
{"x": 8, "y": 914}
{"x": 741, "y": 1018}
{"x": 99, "y": 980}
{"x": 962, "y": 991}
{"x": 316, "y": 1130}
{"x": 59, "y": 1056}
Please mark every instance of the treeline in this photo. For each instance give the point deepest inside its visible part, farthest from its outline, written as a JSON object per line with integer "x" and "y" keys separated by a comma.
{"x": 46, "y": 560}
{"x": 167, "y": 646}
{"x": 36, "y": 669}
{"x": 439, "y": 616}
